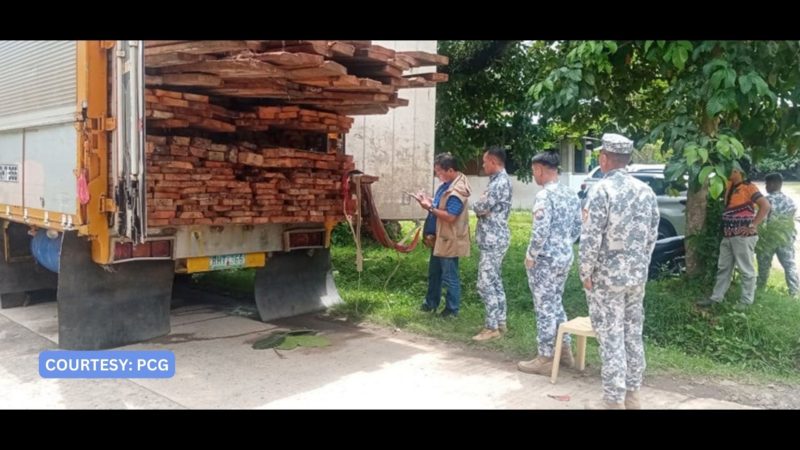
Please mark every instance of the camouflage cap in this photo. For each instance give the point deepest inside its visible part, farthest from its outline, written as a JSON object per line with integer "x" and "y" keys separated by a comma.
{"x": 616, "y": 143}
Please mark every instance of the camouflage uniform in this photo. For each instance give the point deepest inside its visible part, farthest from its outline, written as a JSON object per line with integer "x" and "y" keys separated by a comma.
{"x": 493, "y": 236}
{"x": 617, "y": 238}
{"x": 556, "y": 226}
{"x": 782, "y": 205}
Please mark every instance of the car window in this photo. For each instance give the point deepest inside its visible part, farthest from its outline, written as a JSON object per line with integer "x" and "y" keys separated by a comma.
{"x": 658, "y": 185}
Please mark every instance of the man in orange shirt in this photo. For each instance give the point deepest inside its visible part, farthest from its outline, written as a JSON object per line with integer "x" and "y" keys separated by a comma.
{"x": 739, "y": 227}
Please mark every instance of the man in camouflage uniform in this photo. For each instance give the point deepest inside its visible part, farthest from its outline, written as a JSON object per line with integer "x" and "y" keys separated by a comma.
{"x": 493, "y": 236}
{"x": 620, "y": 228}
{"x": 780, "y": 206}
{"x": 556, "y": 226}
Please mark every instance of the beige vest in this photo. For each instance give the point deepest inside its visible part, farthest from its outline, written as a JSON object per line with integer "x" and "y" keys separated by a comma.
{"x": 453, "y": 239}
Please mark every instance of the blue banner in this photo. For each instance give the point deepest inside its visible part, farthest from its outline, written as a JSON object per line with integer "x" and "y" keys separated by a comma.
{"x": 107, "y": 364}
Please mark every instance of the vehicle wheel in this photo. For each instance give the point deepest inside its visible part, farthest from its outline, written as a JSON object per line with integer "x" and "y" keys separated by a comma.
{"x": 665, "y": 230}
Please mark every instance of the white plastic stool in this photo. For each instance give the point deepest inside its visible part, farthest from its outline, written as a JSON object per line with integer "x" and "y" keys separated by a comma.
{"x": 581, "y": 327}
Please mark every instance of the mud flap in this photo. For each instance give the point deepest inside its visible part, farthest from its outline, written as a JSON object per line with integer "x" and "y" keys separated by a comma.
{"x": 295, "y": 283}
{"x": 99, "y": 308}
{"x": 22, "y": 274}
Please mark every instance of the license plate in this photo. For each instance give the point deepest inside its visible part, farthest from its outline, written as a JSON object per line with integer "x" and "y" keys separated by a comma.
{"x": 226, "y": 261}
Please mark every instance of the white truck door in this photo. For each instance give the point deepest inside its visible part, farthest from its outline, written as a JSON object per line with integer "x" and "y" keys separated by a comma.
{"x": 129, "y": 140}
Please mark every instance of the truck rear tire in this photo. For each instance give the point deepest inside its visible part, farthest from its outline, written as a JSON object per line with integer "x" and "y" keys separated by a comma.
{"x": 20, "y": 275}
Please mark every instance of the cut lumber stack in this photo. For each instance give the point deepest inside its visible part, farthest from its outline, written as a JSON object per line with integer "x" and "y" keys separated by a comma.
{"x": 194, "y": 181}
{"x": 239, "y": 131}
{"x": 347, "y": 77}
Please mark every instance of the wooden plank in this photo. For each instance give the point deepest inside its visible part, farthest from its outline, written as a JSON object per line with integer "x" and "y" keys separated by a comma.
{"x": 389, "y": 53}
{"x": 432, "y": 76}
{"x": 397, "y": 82}
{"x": 197, "y": 47}
{"x": 428, "y": 59}
{"x": 191, "y": 79}
{"x": 327, "y": 69}
{"x": 160, "y": 43}
{"x": 339, "y": 48}
{"x": 153, "y": 80}
{"x": 291, "y": 60}
{"x": 171, "y": 59}
{"x": 229, "y": 68}
{"x": 411, "y": 62}
{"x": 418, "y": 82}
{"x": 168, "y": 123}
{"x": 358, "y": 44}
{"x": 339, "y": 81}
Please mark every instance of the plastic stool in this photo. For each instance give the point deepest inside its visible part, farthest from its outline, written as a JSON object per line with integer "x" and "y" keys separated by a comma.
{"x": 580, "y": 327}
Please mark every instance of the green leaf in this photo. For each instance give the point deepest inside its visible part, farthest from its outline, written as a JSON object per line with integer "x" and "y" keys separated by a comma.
{"x": 730, "y": 78}
{"x": 588, "y": 77}
{"x": 737, "y": 146}
{"x": 723, "y": 147}
{"x": 273, "y": 340}
{"x": 703, "y": 153}
{"x": 548, "y": 83}
{"x": 647, "y": 45}
{"x": 721, "y": 171}
{"x": 704, "y": 174}
{"x": 714, "y": 106}
{"x": 574, "y": 75}
{"x": 717, "y": 77}
{"x": 690, "y": 154}
{"x": 535, "y": 90}
{"x": 760, "y": 84}
{"x": 612, "y": 46}
{"x": 292, "y": 342}
{"x": 745, "y": 83}
{"x": 715, "y": 187}
{"x": 674, "y": 170}
{"x": 679, "y": 57}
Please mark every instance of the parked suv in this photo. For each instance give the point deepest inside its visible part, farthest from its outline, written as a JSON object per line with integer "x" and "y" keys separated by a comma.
{"x": 672, "y": 209}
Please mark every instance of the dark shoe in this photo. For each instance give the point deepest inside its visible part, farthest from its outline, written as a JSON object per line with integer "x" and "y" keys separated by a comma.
{"x": 706, "y": 302}
{"x": 447, "y": 313}
{"x": 426, "y": 308}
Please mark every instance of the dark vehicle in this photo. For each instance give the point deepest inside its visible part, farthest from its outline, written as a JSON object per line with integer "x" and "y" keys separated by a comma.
{"x": 668, "y": 259}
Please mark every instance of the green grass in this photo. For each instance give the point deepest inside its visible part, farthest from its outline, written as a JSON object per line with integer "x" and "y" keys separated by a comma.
{"x": 761, "y": 344}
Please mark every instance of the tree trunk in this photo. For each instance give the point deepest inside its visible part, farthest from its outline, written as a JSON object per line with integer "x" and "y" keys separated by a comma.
{"x": 696, "y": 206}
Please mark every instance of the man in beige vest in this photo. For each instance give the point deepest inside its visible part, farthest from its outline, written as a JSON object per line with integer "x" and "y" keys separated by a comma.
{"x": 447, "y": 233}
